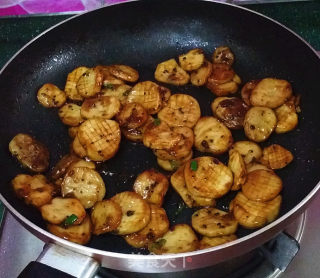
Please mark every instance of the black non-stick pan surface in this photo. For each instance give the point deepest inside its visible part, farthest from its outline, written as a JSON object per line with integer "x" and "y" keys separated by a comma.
{"x": 142, "y": 34}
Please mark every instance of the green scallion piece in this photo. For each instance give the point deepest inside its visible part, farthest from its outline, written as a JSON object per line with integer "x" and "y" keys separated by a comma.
{"x": 108, "y": 86}
{"x": 69, "y": 220}
{"x": 158, "y": 244}
{"x": 157, "y": 121}
{"x": 174, "y": 164}
{"x": 194, "y": 165}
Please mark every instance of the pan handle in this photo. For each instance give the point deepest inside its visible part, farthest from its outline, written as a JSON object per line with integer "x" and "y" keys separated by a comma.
{"x": 56, "y": 261}
{"x": 280, "y": 251}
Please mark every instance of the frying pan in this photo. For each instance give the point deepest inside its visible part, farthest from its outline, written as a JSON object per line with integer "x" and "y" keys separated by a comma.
{"x": 142, "y": 34}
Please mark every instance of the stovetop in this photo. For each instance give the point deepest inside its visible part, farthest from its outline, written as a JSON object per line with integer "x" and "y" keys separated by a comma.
{"x": 18, "y": 247}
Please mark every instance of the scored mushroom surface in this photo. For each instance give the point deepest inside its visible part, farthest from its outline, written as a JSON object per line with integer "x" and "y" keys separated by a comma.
{"x": 208, "y": 177}
{"x": 71, "y": 83}
{"x": 100, "y": 138}
{"x": 178, "y": 182}
{"x": 253, "y": 214}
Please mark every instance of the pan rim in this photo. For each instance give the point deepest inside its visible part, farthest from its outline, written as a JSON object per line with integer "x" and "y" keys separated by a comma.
{"x": 89, "y": 250}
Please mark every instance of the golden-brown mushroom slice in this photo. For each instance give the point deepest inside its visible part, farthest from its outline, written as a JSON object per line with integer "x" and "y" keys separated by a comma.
{"x": 80, "y": 234}
{"x": 179, "y": 239}
{"x": 262, "y": 185}
{"x": 271, "y": 92}
{"x": 225, "y": 89}
{"x": 50, "y": 95}
{"x": 223, "y": 55}
{"x": 120, "y": 91}
{"x": 247, "y": 90}
{"x": 30, "y": 152}
{"x": 132, "y": 115}
{"x": 256, "y": 166}
{"x": 276, "y": 156}
{"x": 34, "y": 190}
{"x": 71, "y": 83}
{"x": 90, "y": 82}
{"x": 213, "y": 222}
{"x": 135, "y": 212}
{"x": 109, "y": 80}
{"x": 252, "y": 214}
{"x": 100, "y": 107}
{"x": 238, "y": 168}
{"x": 85, "y": 184}
{"x": 149, "y": 94}
{"x": 170, "y": 72}
{"x": 157, "y": 227}
{"x": 173, "y": 165}
{"x": 179, "y": 184}
{"x": 212, "y": 136}
{"x": 78, "y": 148}
{"x": 60, "y": 169}
{"x": 200, "y": 76}
{"x": 259, "y": 123}
{"x": 208, "y": 177}
{"x": 182, "y": 110}
{"x": 207, "y": 242}
{"x": 151, "y": 186}
{"x": 230, "y": 110}
{"x": 60, "y": 208}
{"x": 221, "y": 73}
{"x": 76, "y": 163}
{"x": 192, "y": 60}
{"x": 223, "y": 80}
{"x": 181, "y": 149}
{"x": 136, "y": 134}
{"x": 70, "y": 114}
{"x": 158, "y": 135}
{"x": 105, "y": 216}
{"x": 287, "y": 117}
{"x": 125, "y": 73}
{"x": 100, "y": 138}
{"x": 249, "y": 150}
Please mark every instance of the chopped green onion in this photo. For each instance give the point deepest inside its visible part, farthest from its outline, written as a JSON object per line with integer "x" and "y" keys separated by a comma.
{"x": 194, "y": 165}
{"x": 69, "y": 220}
{"x": 157, "y": 121}
{"x": 109, "y": 86}
{"x": 158, "y": 244}
{"x": 174, "y": 164}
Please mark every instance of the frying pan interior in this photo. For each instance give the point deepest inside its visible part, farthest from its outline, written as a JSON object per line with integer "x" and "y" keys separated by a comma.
{"x": 142, "y": 34}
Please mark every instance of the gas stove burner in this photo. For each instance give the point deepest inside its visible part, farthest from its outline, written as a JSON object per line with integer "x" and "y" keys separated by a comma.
{"x": 268, "y": 261}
